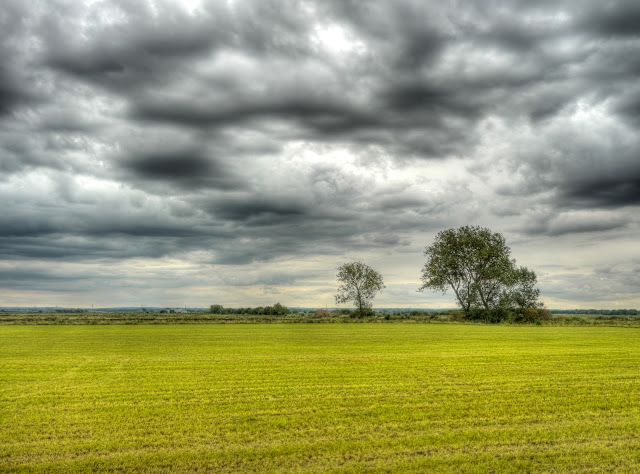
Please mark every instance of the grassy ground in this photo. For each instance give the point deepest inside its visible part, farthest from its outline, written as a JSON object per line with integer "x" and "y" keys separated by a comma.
{"x": 325, "y": 397}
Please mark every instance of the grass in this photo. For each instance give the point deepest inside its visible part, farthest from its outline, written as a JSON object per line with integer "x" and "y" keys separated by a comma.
{"x": 319, "y": 398}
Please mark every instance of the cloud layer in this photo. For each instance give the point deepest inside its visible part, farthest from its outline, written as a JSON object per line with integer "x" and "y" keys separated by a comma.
{"x": 244, "y": 149}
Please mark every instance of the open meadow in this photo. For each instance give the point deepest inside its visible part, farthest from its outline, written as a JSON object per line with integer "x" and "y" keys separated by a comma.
{"x": 319, "y": 397}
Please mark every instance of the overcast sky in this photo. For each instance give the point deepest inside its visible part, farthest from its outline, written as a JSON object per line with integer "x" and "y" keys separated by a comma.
{"x": 173, "y": 153}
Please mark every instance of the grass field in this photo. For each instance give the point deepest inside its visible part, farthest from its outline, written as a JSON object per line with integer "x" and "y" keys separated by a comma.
{"x": 319, "y": 397}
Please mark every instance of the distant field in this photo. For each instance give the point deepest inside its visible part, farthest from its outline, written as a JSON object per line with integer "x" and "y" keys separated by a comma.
{"x": 101, "y": 318}
{"x": 319, "y": 397}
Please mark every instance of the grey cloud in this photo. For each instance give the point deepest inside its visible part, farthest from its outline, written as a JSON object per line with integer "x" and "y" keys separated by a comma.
{"x": 168, "y": 165}
{"x": 619, "y": 18}
{"x": 608, "y": 179}
{"x": 153, "y": 47}
{"x": 614, "y": 191}
{"x": 568, "y": 225}
{"x": 629, "y": 106}
{"x": 394, "y": 203}
{"x": 605, "y": 289}
{"x": 151, "y": 53}
{"x": 258, "y": 210}
{"x": 77, "y": 247}
{"x": 11, "y": 94}
{"x": 419, "y": 95}
{"x": 16, "y": 83}
{"x": 320, "y": 115}
{"x": 186, "y": 168}
{"x": 140, "y": 48}
{"x": 262, "y": 277}
{"x": 15, "y": 278}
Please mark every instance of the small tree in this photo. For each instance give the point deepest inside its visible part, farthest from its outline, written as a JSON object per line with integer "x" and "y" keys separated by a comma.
{"x": 279, "y": 309}
{"x": 358, "y": 283}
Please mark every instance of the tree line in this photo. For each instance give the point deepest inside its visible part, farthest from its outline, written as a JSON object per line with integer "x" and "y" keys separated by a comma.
{"x": 275, "y": 310}
{"x": 602, "y": 312}
{"x": 471, "y": 261}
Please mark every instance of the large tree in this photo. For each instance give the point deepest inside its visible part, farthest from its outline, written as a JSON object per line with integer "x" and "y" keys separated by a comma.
{"x": 475, "y": 263}
{"x": 358, "y": 283}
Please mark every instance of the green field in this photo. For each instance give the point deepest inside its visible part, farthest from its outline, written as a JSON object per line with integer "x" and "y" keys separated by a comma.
{"x": 319, "y": 397}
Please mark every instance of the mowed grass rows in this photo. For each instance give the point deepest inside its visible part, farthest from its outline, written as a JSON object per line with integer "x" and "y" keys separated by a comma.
{"x": 326, "y": 397}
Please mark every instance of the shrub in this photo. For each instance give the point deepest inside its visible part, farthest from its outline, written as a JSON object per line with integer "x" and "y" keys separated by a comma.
{"x": 477, "y": 314}
{"x": 362, "y": 313}
{"x": 458, "y": 316}
{"x": 498, "y": 315}
{"x": 279, "y": 309}
{"x": 321, "y": 313}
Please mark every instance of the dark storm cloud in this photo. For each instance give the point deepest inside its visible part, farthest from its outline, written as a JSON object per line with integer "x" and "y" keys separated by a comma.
{"x": 16, "y": 81}
{"x": 109, "y": 225}
{"x": 143, "y": 58}
{"x": 321, "y": 116}
{"x": 186, "y": 168}
{"x": 606, "y": 191}
{"x": 168, "y": 165}
{"x": 152, "y": 44}
{"x": 629, "y": 106}
{"x": 118, "y": 243}
{"x": 613, "y": 19}
{"x": 257, "y": 210}
{"x": 599, "y": 169}
{"x": 11, "y": 94}
{"x": 143, "y": 49}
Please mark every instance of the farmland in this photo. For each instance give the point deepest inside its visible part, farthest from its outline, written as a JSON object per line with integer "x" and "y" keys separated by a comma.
{"x": 319, "y": 397}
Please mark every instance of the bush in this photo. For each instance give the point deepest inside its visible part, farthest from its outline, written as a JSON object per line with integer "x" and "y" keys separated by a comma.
{"x": 321, "y": 313}
{"x": 498, "y": 315}
{"x": 458, "y": 316}
{"x": 477, "y": 314}
{"x": 529, "y": 315}
{"x": 279, "y": 309}
{"x": 363, "y": 313}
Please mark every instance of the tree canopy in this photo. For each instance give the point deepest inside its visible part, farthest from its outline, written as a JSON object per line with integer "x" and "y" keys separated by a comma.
{"x": 475, "y": 263}
{"x": 358, "y": 283}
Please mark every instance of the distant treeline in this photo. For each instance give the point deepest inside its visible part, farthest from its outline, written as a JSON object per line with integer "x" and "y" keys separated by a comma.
{"x": 265, "y": 314}
{"x": 605, "y": 312}
{"x": 275, "y": 310}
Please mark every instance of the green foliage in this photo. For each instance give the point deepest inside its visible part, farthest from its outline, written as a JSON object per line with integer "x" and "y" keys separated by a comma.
{"x": 279, "y": 309}
{"x": 242, "y": 316}
{"x": 359, "y": 283}
{"x": 275, "y": 310}
{"x": 607, "y": 312}
{"x": 475, "y": 263}
{"x": 512, "y": 315}
{"x": 520, "y": 289}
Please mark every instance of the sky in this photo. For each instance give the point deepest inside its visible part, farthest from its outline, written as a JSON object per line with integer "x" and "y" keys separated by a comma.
{"x": 167, "y": 153}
